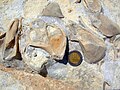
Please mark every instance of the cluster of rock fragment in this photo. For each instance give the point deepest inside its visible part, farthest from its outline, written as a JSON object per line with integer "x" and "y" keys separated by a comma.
{"x": 46, "y": 41}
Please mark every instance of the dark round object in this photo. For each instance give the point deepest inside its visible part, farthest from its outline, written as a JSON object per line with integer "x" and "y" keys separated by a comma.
{"x": 75, "y": 58}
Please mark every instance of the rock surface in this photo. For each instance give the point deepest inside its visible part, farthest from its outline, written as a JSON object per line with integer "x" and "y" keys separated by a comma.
{"x": 19, "y": 80}
{"x": 93, "y": 47}
{"x": 51, "y": 29}
{"x": 93, "y": 5}
{"x": 52, "y": 9}
{"x": 109, "y": 29}
{"x": 82, "y": 77}
{"x": 43, "y": 42}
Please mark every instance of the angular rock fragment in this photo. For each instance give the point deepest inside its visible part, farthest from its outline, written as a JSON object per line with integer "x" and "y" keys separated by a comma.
{"x": 93, "y": 5}
{"x": 107, "y": 26}
{"x": 10, "y": 47}
{"x": 50, "y": 38}
{"x": 93, "y": 47}
{"x": 35, "y": 58}
{"x": 41, "y": 43}
{"x": 53, "y": 9}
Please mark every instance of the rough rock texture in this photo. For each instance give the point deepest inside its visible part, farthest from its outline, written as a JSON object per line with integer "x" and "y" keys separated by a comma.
{"x": 109, "y": 29}
{"x": 93, "y": 5}
{"x": 34, "y": 8}
{"x": 88, "y": 26}
{"x": 117, "y": 47}
{"x": 93, "y": 47}
{"x": 43, "y": 42}
{"x": 111, "y": 9}
{"x": 52, "y": 9}
{"x": 83, "y": 77}
{"x": 18, "y": 80}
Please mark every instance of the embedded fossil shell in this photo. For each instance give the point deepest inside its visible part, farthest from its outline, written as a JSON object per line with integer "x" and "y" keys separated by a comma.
{"x": 41, "y": 43}
{"x": 93, "y": 47}
{"x": 108, "y": 27}
{"x": 50, "y": 38}
{"x": 11, "y": 40}
{"x": 53, "y": 9}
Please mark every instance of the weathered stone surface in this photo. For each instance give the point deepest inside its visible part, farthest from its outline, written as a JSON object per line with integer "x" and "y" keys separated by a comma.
{"x": 117, "y": 47}
{"x": 111, "y": 9}
{"x": 42, "y": 43}
{"x": 11, "y": 41}
{"x": 8, "y": 82}
{"x": 92, "y": 46}
{"x": 11, "y": 79}
{"x": 108, "y": 29}
{"x": 116, "y": 76}
{"x": 50, "y": 38}
{"x": 83, "y": 77}
{"x": 93, "y": 5}
{"x": 52, "y": 9}
{"x": 110, "y": 65}
{"x": 9, "y": 10}
{"x": 86, "y": 76}
{"x": 34, "y": 8}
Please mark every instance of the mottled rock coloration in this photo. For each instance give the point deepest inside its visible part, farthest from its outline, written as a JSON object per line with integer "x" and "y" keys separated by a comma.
{"x": 93, "y": 47}
{"x": 50, "y": 30}
{"x": 43, "y": 42}
{"x": 12, "y": 79}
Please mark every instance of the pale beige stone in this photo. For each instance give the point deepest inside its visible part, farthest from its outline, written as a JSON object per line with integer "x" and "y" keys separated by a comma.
{"x": 10, "y": 46}
{"x": 34, "y": 8}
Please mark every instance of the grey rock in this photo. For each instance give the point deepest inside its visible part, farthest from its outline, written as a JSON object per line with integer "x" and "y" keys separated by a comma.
{"x": 108, "y": 29}
{"x": 92, "y": 47}
{"x": 53, "y": 9}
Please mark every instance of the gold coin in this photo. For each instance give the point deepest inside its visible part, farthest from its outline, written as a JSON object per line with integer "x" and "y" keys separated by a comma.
{"x": 75, "y": 58}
